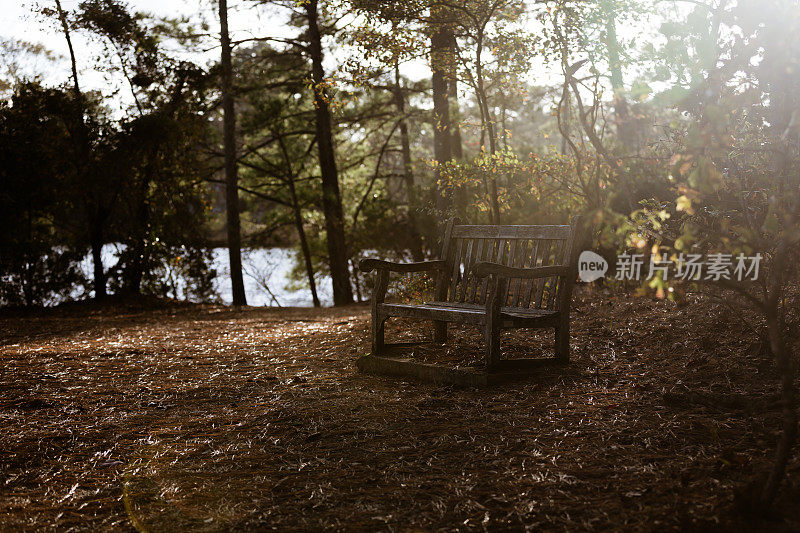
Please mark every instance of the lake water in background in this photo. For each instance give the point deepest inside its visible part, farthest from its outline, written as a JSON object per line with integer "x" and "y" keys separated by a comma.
{"x": 266, "y": 277}
{"x": 270, "y": 267}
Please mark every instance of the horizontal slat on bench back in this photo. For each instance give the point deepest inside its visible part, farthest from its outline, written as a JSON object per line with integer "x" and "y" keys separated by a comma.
{"x": 511, "y": 232}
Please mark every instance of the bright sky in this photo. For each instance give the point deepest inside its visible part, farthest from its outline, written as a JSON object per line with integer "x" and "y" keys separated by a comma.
{"x": 18, "y": 21}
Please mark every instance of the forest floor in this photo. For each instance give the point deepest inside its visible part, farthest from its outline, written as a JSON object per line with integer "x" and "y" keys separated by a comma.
{"x": 166, "y": 417}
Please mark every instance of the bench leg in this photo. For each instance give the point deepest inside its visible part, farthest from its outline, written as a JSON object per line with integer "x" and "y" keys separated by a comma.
{"x": 439, "y": 331}
{"x": 496, "y": 298}
{"x": 491, "y": 338}
{"x": 378, "y": 318}
{"x": 378, "y": 333}
{"x": 562, "y": 342}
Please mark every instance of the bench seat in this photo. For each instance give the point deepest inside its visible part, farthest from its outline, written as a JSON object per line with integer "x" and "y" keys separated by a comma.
{"x": 467, "y": 313}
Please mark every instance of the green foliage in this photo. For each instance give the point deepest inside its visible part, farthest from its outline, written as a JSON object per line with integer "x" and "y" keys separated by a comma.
{"x": 417, "y": 288}
{"x": 548, "y": 187}
{"x": 36, "y": 264}
{"x": 735, "y": 164}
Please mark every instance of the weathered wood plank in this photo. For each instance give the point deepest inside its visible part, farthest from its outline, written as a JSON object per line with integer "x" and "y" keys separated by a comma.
{"x": 455, "y": 277}
{"x": 369, "y": 264}
{"x": 512, "y": 232}
{"x": 465, "y": 279}
{"x": 577, "y": 239}
{"x": 491, "y": 337}
{"x": 512, "y": 256}
{"x": 442, "y": 280}
{"x": 435, "y": 312}
{"x": 522, "y": 365}
{"x": 407, "y": 368}
{"x": 440, "y": 328}
{"x": 559, "y": 259}
{"x": 460, "y": 377}
{"x": 506, "y": 310}
{"x": 477, "y": 282}
{"x": 529, "y": 285}
{"x": 378, "y": 296}
{"x": 544, "y": 257}
{"x": 486, "y": 269}
{"x": 494, "y": 254}
{"x": 465, "y": 313}
{"x": 523, "y": 250}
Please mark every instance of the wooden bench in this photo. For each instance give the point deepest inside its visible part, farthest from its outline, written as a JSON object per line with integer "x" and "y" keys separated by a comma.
{"x": 495, "y": 277}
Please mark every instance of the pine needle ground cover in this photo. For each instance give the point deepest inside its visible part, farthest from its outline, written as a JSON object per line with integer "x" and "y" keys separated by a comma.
{"x": 165, "y": 417}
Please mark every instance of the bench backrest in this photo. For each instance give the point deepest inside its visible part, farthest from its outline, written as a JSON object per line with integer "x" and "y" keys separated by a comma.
{"x": 515, "y": 246}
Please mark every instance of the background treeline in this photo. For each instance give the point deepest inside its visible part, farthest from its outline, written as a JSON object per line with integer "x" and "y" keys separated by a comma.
{"x": 529, "y": 112}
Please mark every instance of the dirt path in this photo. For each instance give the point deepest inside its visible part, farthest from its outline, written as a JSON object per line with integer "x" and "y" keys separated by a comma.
{"x": 211, "y": 419}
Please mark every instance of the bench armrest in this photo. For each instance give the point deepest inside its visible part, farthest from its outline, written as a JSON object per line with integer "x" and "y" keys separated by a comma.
{"x": 485, "y": 268}
{"x": 369, "y": 264}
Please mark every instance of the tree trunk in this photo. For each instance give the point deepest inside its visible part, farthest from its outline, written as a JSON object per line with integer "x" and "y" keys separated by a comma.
{"x": 301, "y": 234}
{"x": 487, "y": 126}
{"x": 776, "y": 329}
{"x": 134, "y": 274}
{"x": 231, "y": 177}
{"x": 783, "y": 360}
{"x": 63, "y": 18}
{"x": 503, "y": 126}
{"x": 456, "y": 149}
{"x": 27, "y": 276}
{"x": 627, "y": 137}
{"x": 441, "y": 42}
{"x": 408, "y": 170}
{"x": 356, "y": 281}
{"x": 331, "y": 198}
{"x": 461, "y": 194}
{"x": 312, "y": 284}
{"x": 94, "y": 219}
{"x": 487, "y": 122}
